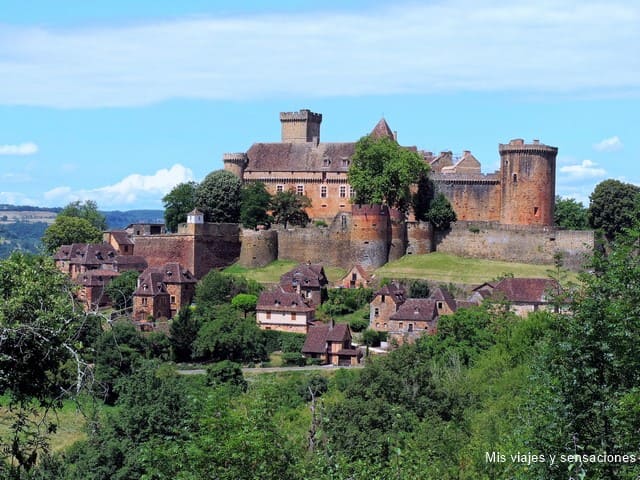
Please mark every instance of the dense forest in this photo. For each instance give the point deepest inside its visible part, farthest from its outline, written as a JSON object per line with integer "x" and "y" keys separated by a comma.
{"x": 492, "y": 395}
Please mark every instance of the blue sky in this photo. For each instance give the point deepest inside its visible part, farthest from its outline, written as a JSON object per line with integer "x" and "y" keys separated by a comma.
{"x": 119, "y": 101}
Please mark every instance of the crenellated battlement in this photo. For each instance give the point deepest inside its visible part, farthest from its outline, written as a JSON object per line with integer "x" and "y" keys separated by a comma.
{"x": 303, "y": 115}
{"x": 517, "y": 145}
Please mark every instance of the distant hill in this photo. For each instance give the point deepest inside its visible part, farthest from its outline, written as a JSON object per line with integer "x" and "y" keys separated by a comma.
{"x": 22, "y": 226}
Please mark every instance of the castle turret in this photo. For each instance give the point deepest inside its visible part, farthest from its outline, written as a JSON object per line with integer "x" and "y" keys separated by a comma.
{"x": 528, "y": 173}
{"x": 370, "y": 235}
{"x": 300, "y": 127}
{"x": 235, "y": 163}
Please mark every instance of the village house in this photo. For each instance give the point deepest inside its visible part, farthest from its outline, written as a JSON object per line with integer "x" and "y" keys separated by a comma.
{"x": 525, "y": 295}
{"x": 356, "y": 277}
{"x": 331, "y": 344}
{"x": 92, "y": 285}
{"x": 163, "y": 291}
{"x": 385, "y": 303}
{"x": 284, "y": 311}
{"x": 308, "y": 280}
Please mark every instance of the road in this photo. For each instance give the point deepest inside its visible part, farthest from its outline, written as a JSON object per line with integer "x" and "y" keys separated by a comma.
{"x": 202, "y": 371}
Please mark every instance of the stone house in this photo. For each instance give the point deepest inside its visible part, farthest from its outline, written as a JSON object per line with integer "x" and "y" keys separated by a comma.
{"x": 331, "y": 344}
{"x": 308, "y": 280}
{"x": 92, "y": 285}
{"x": 356, "y": 277}
{"x": 525, "y": 295}
{"x": 414, "y": 318}
{"x": 120, "y": 241}
{"x": 177, "y": 284}
{"x": 284, "y": 311}
{"x": 385, "y": 303}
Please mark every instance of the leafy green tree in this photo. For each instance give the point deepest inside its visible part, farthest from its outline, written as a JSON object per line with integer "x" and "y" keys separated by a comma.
{"x": 441, "y": 213}
{"x": 418, "y": 288}
{"x": 226, "y": 373}
{"x": 178, "y": 203}
{"x": 382, "y": 172}
{"x": 422, "y": 197}
{"x": 217, "y": 288}
{"x": 246, "y": 302}
{"x": 218, "y": 197}
{"x": 120, "y": 289}
{"x": 612, "y": 207}
{"x": 256, "y": 202}
{"x": 39, "y": 328}
{"x": 87, "y": 210}
{"x": 288, "y": 208}
{"x": 184, "y": 331}
{"x": 570, "y": 214}
{"x": 226, "y": 336}
{"x": 67, "y": 230}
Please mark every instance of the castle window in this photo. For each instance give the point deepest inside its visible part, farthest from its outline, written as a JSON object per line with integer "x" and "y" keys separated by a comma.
{"x": 144, "y": 301}
{"x": 536, "y": 212}
{"x": 279, "y": 188}
{"x": 352, "y": 192}
{"x": 400, "y": 325}
{"x": 323, "y": 191}
{"x": 345, "y": 162}
{"x": 343, "y": 191}
{"x": 515, "y": 178}
{"x": 377, "y": 324}
{"x": 411, "y": 327}
{"x": 268, "y": 315}
{"x": 293, "y": 316}
{"x": 439, "y": 305}
{"x": 376, "y": 312}
{"x": 300, "y": 189}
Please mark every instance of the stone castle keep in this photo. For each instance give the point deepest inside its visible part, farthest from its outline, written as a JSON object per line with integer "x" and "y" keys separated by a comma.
{"x": 505, "y": 215}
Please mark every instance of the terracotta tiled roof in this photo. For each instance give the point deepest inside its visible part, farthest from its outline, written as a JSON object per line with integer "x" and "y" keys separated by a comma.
{"x": 282, "y": 301}
{"x": 393, "y": 290}
{"x": 121, "y": 237}
{"x": 93, "y": 254}
{"x": 299, "y": 157}
{"x": 306, "y": 275}
{"x": 173, "y": 272}
{"x": 320, "y": 334}
{"x": 95, "y": 278}
{"x": 524, "y": 290}
{"x": 339, "y": 333}
{"x": 62, "y": 253}
{"x": 417, "y": 309}
{"x": 382, "y": 130}
{"x": 442, "y": 295}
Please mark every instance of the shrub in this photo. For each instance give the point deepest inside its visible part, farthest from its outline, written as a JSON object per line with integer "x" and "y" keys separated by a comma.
{"x": 359, "y": 324}
{"x": 294, "y": 359}
{"x": 226, "y": 373}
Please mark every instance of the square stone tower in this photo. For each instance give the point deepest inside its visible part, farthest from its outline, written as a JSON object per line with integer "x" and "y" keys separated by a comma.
{"x": 300, "y": 127}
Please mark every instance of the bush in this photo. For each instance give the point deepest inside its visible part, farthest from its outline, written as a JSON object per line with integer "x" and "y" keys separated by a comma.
{"x": 293, "y": 359}
{"x": 316, "y": 385}
{"x": 283, "y": 341}
{"x": 359, "y": 324}
{"x": 342, "y": 301}
{"x": 226, "y": 373}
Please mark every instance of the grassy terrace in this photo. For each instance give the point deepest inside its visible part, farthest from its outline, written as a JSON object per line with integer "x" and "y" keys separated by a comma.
{"x": 445, "y": 268}
{"x": 272, "y": 272}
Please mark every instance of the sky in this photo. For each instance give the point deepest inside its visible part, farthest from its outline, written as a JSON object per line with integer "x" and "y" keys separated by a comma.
{"x": 120, "y": 101}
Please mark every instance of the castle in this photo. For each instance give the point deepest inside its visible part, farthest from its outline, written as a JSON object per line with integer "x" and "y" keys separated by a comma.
{"x": 509, "y": 212}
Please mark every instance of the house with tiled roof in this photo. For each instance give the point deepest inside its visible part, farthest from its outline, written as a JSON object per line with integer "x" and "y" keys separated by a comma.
{"x": 92, "y": 285}
{"x": 386, "y": 302}
{"x": 306, "y": 279}
{"x": 525, "y": 295}
{"x": 356, "y": 277}
{"x": 285, "y": 311}
{"x": 331, "y": 343}
{"x": 163, "y": 291}
{"x": 120, "y": 241}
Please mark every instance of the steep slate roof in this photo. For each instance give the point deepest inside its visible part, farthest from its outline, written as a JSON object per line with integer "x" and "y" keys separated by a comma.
{"x": 321, "y": 333}
{"x": 63, "y": 252}
{"x": 150, "y": 284}
{"x": 308, "y": 275}
{"x": 121, "y": 237}
{"x": 393, "y": 290}
{"x": 96, "y": 278}
{"x": 130, "y": 262}
{"x": 442, "y": 295}
{"x": 382, "y": 130}
{"x": 417, "y": 309}
{"x": 92, "y": 254}
{"x": 173, "y": 272}
{"x": 282, "y": 301}
{"x": 524, "y": 290}
{"x": 299, "y": 157}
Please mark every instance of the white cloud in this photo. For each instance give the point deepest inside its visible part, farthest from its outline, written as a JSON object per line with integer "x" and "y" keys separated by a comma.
{"x": 17, "y": 198}
{"x": 131, "y": 190}
{"x": 28, "y": 148}
{"x": 559, "y": 46}
{"x": 585, "y": 170}
{"x": 612, "y": 144}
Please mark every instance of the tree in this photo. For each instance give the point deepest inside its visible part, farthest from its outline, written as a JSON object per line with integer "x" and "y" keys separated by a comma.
{"x": 120, "y": 289}
{"x": 288, "y": 208}
{"x": 218, "y": 197}
{"x": 226, "y": 373}
{"x": 87, "y": 210}
{"x": 67, "y": 230}
{"x": 226, "y": 336}
{"x": 255, "y": 204}
{"x": 382, "y": 172}
{"x": 612, "y": 207}
{"x": 245, "y": 302}
{"x": 39, "y": 328}
{"x": 570, "y": 214}
{"x": 184, "y": 331}
{"x": 422, "y": 197}
{"x": 178, "y": 203}
{"x": 217, "y": 288}
{"x": 440, "y": 213}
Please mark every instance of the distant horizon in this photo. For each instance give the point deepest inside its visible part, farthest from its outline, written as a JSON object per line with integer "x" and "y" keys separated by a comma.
{"x": 141, "y": 96}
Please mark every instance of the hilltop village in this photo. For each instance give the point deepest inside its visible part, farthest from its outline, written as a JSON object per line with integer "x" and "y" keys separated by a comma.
{"x": 505, "y": 215}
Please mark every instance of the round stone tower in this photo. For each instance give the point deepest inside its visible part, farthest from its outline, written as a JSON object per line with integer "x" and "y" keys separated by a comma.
{"x": 528, "y": 181}
{"x": 398, "y": 246}
{"x": 235, "y": 163}
{"x": 370, "y": 235}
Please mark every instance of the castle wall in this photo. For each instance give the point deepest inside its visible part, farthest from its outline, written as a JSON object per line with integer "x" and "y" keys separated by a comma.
{"x": 398, "y": 239}
{"x": 419, "y": 238}
{"x": 536, "y": 245}
{"x": 473, "y": 199}
{"x": 259, "y": 247}
{"x": 315, "y": 245}
{"x": 370, "y": 235}
{"x": 161, "y": 249}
